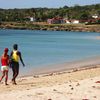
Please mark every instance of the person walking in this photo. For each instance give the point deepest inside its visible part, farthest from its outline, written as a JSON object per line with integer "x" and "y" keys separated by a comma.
{"x": 5, "y": 65}
{"x": 15, "y": 56}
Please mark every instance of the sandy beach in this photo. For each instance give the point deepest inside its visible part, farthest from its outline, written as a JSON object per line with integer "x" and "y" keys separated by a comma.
{"x": 76, "y": 84}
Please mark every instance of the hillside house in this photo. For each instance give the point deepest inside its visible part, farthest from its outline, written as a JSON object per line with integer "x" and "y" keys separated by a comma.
{"x": 67, "y": 21}
{"x": 95, "y": 16}
{"x": 75, "y": 21}
{"x": 56, "y": 20}
{"x": 31, "y": 19}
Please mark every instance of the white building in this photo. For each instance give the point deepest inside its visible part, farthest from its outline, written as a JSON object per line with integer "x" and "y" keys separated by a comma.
{"x": 32, "y": 19}
{"x": 75, "y": 21}
{"x": 95, "y": 16}
{"x": 67, "y": 21}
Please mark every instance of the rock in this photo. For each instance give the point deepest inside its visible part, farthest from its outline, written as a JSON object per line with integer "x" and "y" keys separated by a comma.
{"x": 72, "y": 88}
{"x": 54, "y": 90}
{"x": 77, "y": 84}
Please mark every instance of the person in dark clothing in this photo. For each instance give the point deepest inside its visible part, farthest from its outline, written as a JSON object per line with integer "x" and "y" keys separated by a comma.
{"x": 15, "y": 56}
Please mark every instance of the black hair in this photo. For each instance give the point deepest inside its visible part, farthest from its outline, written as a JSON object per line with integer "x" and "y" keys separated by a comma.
{"x": 15, "y": 46}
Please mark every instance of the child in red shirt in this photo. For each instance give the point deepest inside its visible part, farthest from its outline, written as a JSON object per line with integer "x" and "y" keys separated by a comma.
{"x": 4, "y": 65}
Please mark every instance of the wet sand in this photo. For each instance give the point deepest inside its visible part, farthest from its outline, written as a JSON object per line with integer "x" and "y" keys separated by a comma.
{"x": 88, "y": 62}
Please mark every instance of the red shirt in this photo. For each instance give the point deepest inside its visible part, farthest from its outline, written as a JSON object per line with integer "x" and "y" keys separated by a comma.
{"x": 5, "y": 60}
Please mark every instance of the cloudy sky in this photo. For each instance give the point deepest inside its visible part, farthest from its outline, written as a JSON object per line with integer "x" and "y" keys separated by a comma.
{"x": 44, "y": 3}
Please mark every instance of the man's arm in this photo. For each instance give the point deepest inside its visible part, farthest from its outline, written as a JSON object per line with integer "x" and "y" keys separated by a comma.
{"x": 11, "y": 54}
{"x": 10, "y": 59}
{"x": 19, "y": 53}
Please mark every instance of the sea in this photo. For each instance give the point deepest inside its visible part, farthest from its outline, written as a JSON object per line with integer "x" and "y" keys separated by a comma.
{"x": 43, "y": 48}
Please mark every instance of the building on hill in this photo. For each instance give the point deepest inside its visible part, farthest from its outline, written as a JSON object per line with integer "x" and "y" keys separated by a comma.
{"x": 74, "y": 21}
{"x": 56, "y": 20}
{"x": 67, "y": 21}
{"x": 31, "y": 19}
{"x": 59, "y": 20}
{"x": 95, "y": 16}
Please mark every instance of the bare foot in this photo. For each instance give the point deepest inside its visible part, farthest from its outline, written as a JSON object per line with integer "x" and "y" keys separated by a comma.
{"x": 15, "y": 83}
{"x": 6, "y": 84}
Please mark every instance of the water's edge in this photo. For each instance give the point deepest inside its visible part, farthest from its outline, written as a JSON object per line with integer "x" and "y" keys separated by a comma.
{"x": 67, "y": 66}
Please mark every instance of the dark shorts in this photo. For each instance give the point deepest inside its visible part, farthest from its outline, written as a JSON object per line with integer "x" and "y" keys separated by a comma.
{"x": 15, "y": 66}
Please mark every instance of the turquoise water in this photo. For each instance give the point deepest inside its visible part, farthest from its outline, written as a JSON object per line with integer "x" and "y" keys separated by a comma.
{"x": 41, "y": 48}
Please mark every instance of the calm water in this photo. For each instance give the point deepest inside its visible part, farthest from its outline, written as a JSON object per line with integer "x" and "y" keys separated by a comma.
{"x": 40, "y": 48}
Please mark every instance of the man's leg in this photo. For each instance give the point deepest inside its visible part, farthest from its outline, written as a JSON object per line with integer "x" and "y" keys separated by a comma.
{"x": 15, "y": 72}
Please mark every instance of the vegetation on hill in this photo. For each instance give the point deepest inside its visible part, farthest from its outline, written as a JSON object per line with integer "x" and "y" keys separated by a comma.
{"x": 42, "y": 14}
{"x": 20, "y": 18}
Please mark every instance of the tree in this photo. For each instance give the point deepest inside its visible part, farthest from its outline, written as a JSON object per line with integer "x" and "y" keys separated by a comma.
{"x": 84, "y": 16}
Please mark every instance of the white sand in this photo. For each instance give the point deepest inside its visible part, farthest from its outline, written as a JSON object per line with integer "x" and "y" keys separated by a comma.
{"x": 75, "y": 85}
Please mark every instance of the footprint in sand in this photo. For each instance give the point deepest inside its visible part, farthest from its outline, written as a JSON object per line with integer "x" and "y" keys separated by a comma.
{"x": 54, "y": 90}
{"x": 32, "y": 85}
{"x": 29, "y": 95}
{"x": 39, "y": 93}
{"x": 27, "y": 89}
{"x": 96, "y": 87}
{"x": 78, "y": 84}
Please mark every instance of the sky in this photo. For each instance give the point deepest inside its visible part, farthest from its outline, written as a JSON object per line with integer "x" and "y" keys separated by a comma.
{"x": 7, "y": 4}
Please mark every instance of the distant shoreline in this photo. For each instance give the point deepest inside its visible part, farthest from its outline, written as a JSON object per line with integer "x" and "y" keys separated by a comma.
{"x": 52, "y": 27}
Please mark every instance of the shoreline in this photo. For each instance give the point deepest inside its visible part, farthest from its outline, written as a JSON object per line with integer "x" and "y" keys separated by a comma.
{"x": 51, "y": 27}
{"x": 72, "y": 85}
{"x": 66, "y": 66}
{"x": 66, "y": 71}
